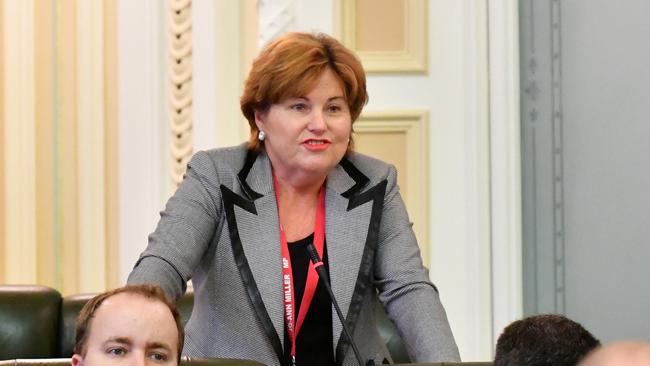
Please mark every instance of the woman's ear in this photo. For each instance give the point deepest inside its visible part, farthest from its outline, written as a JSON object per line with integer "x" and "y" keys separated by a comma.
{"x": 260, "y": 118}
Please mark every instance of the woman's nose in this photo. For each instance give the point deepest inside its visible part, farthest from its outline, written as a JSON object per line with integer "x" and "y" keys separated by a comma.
{"x": 317, "y": 122}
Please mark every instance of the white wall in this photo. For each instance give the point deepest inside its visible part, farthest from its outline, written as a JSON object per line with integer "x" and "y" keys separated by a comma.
{"x": 142, "y": 125}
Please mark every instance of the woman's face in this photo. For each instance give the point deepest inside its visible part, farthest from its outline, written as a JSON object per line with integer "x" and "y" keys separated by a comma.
{"x": 308, "y": 134}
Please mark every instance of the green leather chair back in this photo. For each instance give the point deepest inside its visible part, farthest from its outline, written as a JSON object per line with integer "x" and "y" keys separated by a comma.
{"x": 390, "y": 335}
{"x": 184, "y": 305}
{"x": 70, "y": 308}
{"x": 29, "y": 321}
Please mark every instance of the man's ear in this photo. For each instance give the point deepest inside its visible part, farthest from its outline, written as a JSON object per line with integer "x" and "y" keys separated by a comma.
{"x": 77, "y": 360}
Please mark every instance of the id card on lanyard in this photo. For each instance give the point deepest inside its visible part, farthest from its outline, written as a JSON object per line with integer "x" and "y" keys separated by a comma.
{"x": 292, "y": 323}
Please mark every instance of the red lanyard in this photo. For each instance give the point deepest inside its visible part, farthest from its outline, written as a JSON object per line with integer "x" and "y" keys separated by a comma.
{"x": 287, "y": 274}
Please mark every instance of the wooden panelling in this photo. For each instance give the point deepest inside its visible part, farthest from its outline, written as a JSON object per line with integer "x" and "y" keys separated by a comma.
{"x": 374, "y": 32}
{"x": 400, "y": 138}
{"x": 179, "y": 86}
{"x": 388, "y": 36}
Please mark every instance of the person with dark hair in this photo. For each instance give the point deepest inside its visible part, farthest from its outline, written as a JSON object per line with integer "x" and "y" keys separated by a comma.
{"x": 242, "y": 221}
{"x": 543, "y": 340}
{"x": 130, "y": 325}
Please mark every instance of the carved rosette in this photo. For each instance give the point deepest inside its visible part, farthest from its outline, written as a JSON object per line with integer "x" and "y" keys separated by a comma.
{"x": 275, "y": 17}
{"x": 180, "y": 86}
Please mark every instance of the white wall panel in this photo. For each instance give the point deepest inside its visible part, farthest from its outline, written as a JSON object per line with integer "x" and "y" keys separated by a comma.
{"x": 505, "y": 164}
{"x": 142, "y": 125}
{"x": 205, "y": 63}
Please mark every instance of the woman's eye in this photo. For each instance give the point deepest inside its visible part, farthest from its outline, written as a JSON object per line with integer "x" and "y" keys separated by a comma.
{"x": 117, "y": 351}
{"x": 299, "y": 107}
{"x": 334, "y": 108}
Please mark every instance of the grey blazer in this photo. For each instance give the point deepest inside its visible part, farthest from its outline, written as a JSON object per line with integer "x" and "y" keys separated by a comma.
{"x": 220, "y": 229}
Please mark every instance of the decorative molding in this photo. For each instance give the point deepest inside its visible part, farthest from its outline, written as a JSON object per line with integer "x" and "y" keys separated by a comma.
{"x": 275, "y": 17}
{"x": 543, "y": 157}
{"x": 413, "y": 124}
{"x": 180, "y": 87}
{"x": 530, "y": 105}
{"x": 558, "y": 157}
{"x": 412, "y": 59}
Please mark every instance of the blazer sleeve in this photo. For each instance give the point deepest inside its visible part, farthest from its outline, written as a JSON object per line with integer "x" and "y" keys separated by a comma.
{"x": 409, "y": 297}
{"x": 184, "y": 231}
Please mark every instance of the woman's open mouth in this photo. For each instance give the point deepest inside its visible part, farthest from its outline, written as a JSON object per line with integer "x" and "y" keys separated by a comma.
{"x": 316, "y": 145}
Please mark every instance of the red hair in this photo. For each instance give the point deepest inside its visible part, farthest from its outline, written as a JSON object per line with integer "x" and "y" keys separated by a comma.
{"x": 291, "y": 66}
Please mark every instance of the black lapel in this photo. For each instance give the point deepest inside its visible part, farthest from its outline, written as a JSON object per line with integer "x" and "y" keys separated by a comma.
{"x": 230, "y": 200}
{"x": 363, "y": 284}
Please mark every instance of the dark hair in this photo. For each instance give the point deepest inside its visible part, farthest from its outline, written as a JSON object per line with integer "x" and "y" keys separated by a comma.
{"x": 148, "y": 291}
{"x": 291, "y": 65}
{"x": 541, "y": 340}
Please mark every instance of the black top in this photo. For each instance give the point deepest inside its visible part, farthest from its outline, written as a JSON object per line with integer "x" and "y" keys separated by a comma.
{"x": 314, "y": 341}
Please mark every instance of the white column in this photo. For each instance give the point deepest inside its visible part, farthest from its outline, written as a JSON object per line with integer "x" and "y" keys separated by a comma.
{"x": 142, "y": 126}
{"x": 505, "y": 157}
{"x": 275, "y": 17}
{"x": 460, "y": 193}
{"x": 217, "y": 67}
{"x": 205, "y": 83}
